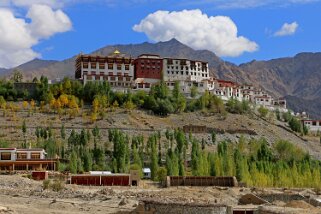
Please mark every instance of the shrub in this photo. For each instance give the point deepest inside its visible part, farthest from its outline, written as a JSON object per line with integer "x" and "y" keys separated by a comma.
{"x": 161, "y": 174}
{"x": 263, "y": 111}
{"x": 46, "y": 184}
{"x": 57, "y": 185}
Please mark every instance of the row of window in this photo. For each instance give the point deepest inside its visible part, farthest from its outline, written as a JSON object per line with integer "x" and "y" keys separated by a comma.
{"x": 109, "y": 73}
{"x": 148, "y": 62}
{"x": 111, "y": 78}
{"x": 150, "y": 67}
{"x": 314, "y": 123}
{"x": 186, "y": 73}
{"x": 187, "y": 68}
{"x": 102, "y": 66}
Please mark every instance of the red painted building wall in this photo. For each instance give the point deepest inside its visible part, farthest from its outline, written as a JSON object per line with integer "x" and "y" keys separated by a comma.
{"x": 147, "y": 67}
{"x": 101, "y": 180}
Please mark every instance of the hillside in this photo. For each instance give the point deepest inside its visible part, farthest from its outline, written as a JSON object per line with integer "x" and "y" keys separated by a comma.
{"x": 140, "y": 122}
{"x": 296, "y": 76}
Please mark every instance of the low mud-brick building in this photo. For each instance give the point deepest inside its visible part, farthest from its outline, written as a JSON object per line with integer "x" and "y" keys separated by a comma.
{"x": 131, "y": 179}
{"x": 13, "y": 159}
{"x": 194, "y": 129}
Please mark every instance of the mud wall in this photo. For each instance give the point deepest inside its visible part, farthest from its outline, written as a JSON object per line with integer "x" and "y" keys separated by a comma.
{"x": 201, "y": 181}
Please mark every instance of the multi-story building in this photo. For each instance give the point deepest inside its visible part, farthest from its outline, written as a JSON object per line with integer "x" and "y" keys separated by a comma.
{"x": 227, "y": 89}
{"x": 12, "y": 159}
{"x": 148, "y": 70}
{"x": 116, "y": 68}
{"x": 187, "y": 85}
{"x": 185, "y": 70}
{"x": 123, "y": 72}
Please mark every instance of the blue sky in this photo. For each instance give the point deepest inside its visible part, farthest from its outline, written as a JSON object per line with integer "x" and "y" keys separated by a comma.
{"x": 92, "y": 24}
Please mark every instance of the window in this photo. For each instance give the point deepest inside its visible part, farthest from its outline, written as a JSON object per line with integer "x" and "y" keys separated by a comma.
{"x": 5, "y": 156}
{"x": 85, "y": 65}
{"x": 101, "y": 66}
{"x": 22, "y": 155}
{"x": 186, "y": 72}
{"x": 126, "y": 67}
{"x": 35, "y": 155}
{"x": 314, "y": 123}
{"x": 118, "y": 66}
{"x": 110, "y": 66}
{"x": 182, "y": 72}
{"x": 93, "y": 65}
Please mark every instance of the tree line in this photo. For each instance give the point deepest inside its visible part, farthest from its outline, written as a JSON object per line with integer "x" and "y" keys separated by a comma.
{"x": 254, "y": 162}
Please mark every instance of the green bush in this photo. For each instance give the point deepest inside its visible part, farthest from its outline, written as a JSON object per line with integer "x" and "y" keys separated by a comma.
{"x": 263, "y": 111}
{"x": 57, "y": 185}
{"x": 46, "y": 184}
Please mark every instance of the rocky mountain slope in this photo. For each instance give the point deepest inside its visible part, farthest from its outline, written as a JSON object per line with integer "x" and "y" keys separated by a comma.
{"x": 298, "y": 76}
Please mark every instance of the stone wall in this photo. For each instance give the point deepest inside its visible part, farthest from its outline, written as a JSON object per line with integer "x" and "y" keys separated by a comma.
{"x": 152, "y": 207}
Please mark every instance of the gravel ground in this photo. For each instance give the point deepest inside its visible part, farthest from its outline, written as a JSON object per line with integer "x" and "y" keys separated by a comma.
{"x": 25, "y": 196}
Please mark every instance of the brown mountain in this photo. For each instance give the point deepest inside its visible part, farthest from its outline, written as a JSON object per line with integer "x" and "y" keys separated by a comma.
{"x": 297, "y": 77}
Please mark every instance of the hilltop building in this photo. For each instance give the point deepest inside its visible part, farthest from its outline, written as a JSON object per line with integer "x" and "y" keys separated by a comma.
{"x": 148, "y": 70}
{"x": 116, "y": 68}
{"x": 185, "y": 70}
{"x": 13, "y": 159}
{"x": 123, "y": 72}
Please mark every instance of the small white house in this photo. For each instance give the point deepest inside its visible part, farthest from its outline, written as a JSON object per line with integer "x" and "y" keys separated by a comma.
{"x": 147, "y": 173}
{"x": 313, "y": 125}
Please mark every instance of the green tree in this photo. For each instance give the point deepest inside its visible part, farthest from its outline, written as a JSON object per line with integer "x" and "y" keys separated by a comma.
{"x": 24, "y": 131}
{"x": 161, "y": 174}
{"x": 154, "y": 160}
{"x": 263, "y": 111}
{"x": 194, "y": 91}
{"x": 87, "y": 161}
{"x": 73, "y": 163}
{"x": 213, "y": 136}
{"x": 63, "y": 132}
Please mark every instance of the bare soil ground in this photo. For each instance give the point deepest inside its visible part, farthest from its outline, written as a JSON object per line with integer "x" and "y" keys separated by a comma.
{"x": 25, "y": 196}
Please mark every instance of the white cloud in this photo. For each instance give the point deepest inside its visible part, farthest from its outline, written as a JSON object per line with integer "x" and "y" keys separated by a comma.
{"x": 193, "y": 28}
{"x": 18, "y": 35}
{"x": 287, "y": 29}
{"x": 46, "y": 22}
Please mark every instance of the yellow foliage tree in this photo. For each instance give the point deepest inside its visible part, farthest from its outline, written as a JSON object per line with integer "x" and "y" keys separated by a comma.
{"x": 93, "y": 117}
{"x": 33, "y": 105}
{"x": 25, "y": 105}
{"x": 64, "y": 100}
{"x": 95, "y": 105}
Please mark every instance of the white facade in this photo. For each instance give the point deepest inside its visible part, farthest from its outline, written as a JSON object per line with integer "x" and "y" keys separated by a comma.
{"x": 14, "y": 154}
{"x": 185, "y": 70}
{"x": 147, "y": 173}
{"x": 186, "y": 86}
{"x": 116, "y": 68}
{"x": 312, "y": 125}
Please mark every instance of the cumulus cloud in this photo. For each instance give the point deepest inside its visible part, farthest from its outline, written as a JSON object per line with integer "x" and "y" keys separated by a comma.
{"x": 46, "y": 22}
{"x": 193, "y": 28}
{"x": 287, "y": 29}
{"x": 18, "y": 35}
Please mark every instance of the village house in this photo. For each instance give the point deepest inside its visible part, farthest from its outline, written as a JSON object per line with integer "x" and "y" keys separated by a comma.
{"x": 13, "y": 159}
{"x": 312, "y": 125}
